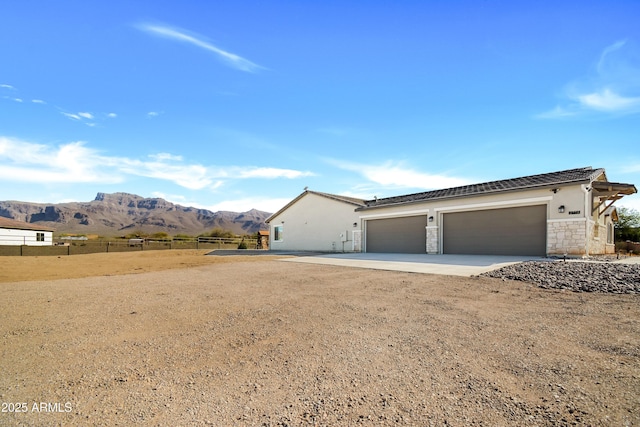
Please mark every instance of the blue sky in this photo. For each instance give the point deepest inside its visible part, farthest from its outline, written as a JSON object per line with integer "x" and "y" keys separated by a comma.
{"x": 239, "y": 105}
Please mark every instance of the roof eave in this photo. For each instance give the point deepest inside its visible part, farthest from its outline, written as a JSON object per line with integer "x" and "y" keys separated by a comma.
{"x": 304, "y": 193}
{"x": 486, "y": 193}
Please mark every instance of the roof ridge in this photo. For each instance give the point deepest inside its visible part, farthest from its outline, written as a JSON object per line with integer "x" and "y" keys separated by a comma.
{"x": 348, "y": 199}
{"x": 586, "y": 173}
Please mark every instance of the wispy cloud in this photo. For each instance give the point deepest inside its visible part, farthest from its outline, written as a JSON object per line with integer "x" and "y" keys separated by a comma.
{"x": 248, "y": 203}
{"x": 38, "y": 101}
{"x": 152, "y": 114}
{"x": 230, "y": 59}
{"x": 75, "y": 162}
{"x": 6, "y": 86}
{"x": 272, "y": 173}
{"x": 607, "y": 100}
{"x": 612, "y": 88}
{"x": 631, "y": 167}
{"x": 84, "y": 117}
{"x": 396, "y": 174}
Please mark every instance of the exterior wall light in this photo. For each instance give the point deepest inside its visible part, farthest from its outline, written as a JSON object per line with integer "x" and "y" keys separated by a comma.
{"x": 561, "y": 209}
{"x": 430, "y": 219}
{"x": 355, "y": 224}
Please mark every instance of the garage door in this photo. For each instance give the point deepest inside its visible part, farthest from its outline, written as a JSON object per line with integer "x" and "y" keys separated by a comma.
{"x": 512, "y": 231}
{"x": 397, "y": 235}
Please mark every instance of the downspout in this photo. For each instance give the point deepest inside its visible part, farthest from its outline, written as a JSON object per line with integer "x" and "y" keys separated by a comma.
{"x": 587, "y": 213}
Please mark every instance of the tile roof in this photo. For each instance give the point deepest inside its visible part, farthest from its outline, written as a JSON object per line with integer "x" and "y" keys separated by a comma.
{"x": 19, "y": 225}
{"x": 586, "y": 174}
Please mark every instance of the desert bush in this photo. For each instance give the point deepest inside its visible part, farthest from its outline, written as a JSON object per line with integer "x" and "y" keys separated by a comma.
{"x": 219, "y": 232}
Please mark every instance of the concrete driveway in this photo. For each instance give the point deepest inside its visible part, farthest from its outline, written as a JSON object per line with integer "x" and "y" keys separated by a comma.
{"x": 455, "y": 265}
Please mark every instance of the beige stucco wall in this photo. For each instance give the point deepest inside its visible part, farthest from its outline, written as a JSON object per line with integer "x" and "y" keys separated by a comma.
{"x": 568, "y": 232}
{"x": 314, "y": 223}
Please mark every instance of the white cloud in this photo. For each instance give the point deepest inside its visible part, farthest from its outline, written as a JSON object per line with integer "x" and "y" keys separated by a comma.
{"x": 5, "y": 86}
{"x": 38, "y": 101}
{"x": 165, "y": 156}
{"x": 82, "y": 116}
{"x": 70, "y": 163}
{"x": 112, "y": 115}
{"x": 228, "y": 58}
{"x": 607, "y": 100}
{"x": 74, "y": 162}
{"x": 72, "y": 116}
{"x": 557, "y": 113}
{"x": 246, "y": 204}
{"x": 153, "y": 114}
{"x": 394, "y": 174}
{"x": 272, "y": 173}
{"x": 612, "y": 88}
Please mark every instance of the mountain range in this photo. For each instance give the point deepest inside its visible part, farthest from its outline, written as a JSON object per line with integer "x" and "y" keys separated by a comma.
{"x": 119, "y": 214}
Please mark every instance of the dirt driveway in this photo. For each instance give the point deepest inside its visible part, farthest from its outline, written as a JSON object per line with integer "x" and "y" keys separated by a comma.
{"x": 252, "y": 341}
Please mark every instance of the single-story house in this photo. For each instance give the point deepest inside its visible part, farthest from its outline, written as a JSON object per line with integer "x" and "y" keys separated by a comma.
{"x": 567, "y": 212}
{"x": 17, "y": 233}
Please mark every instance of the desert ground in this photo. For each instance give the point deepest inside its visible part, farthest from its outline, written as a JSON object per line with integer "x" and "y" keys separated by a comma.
{"x": 172, "y": 338}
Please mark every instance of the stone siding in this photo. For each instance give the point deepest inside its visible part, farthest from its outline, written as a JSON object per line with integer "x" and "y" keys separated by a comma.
{"x": 432, "y": 239}
{"x": 566, "y": 237}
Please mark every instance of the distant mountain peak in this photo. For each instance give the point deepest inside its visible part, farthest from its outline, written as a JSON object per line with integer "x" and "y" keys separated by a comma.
{"x": 111, "y": 214}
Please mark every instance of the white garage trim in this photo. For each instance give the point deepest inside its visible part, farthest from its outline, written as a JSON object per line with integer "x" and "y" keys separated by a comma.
{"x": 493, "y": 205}
{"x": 396, "y": 214}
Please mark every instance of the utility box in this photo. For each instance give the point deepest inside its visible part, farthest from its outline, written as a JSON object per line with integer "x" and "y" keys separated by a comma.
{"x": 344, "y": 236}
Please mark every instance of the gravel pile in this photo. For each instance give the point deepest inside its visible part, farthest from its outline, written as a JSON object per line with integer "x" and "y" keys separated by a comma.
{"x": 577, "y": 276}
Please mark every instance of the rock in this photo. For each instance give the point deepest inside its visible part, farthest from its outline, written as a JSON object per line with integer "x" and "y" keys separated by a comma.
{"x": 577, "y": 276}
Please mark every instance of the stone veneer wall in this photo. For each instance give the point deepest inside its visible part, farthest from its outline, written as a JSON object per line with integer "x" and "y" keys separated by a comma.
{"x": 598, "y": 244}
{"x": 566, "y": 237}
{"x": 432, "y": 239}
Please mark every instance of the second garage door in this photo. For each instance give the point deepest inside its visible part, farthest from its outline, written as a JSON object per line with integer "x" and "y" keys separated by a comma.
{"x": 510, "y": 231}
{"x": 397, "y": 235}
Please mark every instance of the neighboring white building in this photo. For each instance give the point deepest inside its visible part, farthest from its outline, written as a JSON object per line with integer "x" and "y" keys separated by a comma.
{"x": 17, "y": 233}
{"x": 566, "y": 212}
